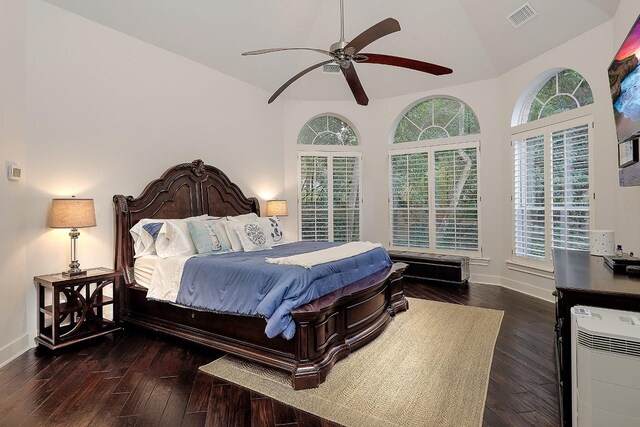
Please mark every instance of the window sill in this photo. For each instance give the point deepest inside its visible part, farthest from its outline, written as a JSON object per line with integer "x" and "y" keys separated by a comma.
{"x": 484, "y": 262}
{"x": 546, "y": 272}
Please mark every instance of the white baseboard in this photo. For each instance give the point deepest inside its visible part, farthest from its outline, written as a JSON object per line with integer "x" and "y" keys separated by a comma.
{"x": 16, "y": 348}
{"x": 484, "y": 279}
{"x": 525, "y": 288}
{"x": 514, "y": 285}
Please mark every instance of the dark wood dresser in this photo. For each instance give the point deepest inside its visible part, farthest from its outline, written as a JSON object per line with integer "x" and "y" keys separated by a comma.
{"x": 582, "y": 279}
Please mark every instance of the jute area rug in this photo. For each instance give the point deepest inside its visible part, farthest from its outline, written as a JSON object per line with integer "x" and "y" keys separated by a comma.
{"x": 429, "y": 368}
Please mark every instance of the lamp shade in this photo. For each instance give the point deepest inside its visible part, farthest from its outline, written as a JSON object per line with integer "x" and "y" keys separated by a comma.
{"x": 72, "y": 213}
{"x": 277, "y": 208}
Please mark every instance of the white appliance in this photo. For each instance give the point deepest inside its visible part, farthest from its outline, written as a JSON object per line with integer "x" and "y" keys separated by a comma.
{"x": 605, "y": 367}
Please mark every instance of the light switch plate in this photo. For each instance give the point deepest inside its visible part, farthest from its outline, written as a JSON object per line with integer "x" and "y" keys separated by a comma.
{"x": 14, "y": 172}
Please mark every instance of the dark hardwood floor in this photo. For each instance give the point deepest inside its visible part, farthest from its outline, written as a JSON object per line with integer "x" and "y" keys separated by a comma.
{"x": 138, "y": 378}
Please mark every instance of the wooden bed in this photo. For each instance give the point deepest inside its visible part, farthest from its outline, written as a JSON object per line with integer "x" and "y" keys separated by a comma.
{"x": 327, "y": 329}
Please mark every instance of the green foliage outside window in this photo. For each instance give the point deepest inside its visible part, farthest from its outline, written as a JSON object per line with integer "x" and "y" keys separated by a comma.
{"x": 436, "y": 118}
{"x": 327, "y": 130}
{"x": 564, "y": 91}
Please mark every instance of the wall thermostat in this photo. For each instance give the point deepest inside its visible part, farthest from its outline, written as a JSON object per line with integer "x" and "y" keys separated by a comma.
{"x": 14, "y": 172}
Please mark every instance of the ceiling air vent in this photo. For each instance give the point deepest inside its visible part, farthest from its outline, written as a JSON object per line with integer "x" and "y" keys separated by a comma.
{"x": 331, "y": 68}
{"x": 521, "y": 15}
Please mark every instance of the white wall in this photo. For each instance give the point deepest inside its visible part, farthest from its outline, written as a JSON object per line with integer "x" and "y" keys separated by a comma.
{"x": 108, "y": 113}
{"x": 15, "y": 280}
{"x": 493, "y": 101}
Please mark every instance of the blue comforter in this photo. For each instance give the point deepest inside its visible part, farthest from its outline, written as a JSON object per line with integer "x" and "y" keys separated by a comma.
{"x": 244, "y": 283}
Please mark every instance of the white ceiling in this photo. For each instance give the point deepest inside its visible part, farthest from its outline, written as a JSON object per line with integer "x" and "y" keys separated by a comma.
{"x": 471, "y": 36}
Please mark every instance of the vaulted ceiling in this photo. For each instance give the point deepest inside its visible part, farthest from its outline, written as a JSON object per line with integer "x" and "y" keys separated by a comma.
{"x": 471, "y": 36}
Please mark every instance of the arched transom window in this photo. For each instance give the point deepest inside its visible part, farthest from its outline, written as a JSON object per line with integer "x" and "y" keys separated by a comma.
{"x": 327, "y": 130}
{"x": 436, "y": 118}
{"x": 564, "y": 91}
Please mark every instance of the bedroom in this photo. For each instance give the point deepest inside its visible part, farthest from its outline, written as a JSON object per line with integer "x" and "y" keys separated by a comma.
{"x": 92, "y": 111}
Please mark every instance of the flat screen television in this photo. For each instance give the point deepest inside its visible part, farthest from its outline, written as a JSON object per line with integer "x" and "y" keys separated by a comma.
{"x": 624, "y": 81}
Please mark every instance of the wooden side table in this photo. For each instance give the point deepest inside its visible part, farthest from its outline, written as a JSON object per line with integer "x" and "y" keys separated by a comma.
{"x": 76, "y": 312}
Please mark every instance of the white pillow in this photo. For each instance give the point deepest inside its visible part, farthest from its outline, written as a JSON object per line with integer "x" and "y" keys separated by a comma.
{"x": 244, "y": 219}
{"x": 174, "y": 239}
{"x": 251, "y": 235}
{"x": 143, "y": 243}
{"x": 232, "y": 235}
{"x": 273, "y": 230}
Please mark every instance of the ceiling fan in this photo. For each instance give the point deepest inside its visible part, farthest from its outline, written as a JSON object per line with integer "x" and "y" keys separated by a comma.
{"x": 346, "y": 53}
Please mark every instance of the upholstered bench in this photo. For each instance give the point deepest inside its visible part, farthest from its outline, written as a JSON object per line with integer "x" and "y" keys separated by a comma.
{"x": 446, "y": 269}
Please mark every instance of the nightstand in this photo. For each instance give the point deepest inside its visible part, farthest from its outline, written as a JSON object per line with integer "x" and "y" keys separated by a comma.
{"x": 76, "y": 309}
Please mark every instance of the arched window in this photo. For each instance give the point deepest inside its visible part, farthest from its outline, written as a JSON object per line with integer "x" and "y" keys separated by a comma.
{"x": 327, "y": 130}
{"x": 551, "y": 194}
{"x": 563, "y": 91}
{"x": 434, "y": 201}
{"x": 435, "y": 118}
{"x": 329, "y": 193}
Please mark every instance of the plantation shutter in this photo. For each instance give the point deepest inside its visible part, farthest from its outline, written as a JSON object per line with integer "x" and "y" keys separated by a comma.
{"x": 529, "y": 203}
{"x": 456, "y": 199}
{"x": 570, "y": 188}
{"x": 314, "y": 198}
{"x": 330, "y": 197}
{"x": 346, "y": 198}
{"x": 410, "y": 200}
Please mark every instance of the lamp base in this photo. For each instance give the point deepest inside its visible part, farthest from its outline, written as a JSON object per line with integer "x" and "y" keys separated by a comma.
{"x": 74, "y": 273}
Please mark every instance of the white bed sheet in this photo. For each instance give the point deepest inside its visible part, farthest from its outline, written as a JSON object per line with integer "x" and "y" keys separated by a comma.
{"x": 143, "y": 269}
{"x": 161, "y": 276}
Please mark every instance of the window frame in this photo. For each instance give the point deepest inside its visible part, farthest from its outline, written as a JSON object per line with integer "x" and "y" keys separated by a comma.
{"x": 319, "y": 147}
{"x": 432, "y": 146}
{"x": 405, "y": 111}
{"x": 329, "y": 154}
{"x": 524, "y": 108}
{"x": 546, "y": 127}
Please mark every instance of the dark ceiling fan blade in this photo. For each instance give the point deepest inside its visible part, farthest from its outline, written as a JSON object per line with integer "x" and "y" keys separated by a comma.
{"x": 372, "y": 34}
{"x": 296, "y": 77}
{"x": 278, "y": 49}
{"x": 354, "y": 83}
{"x": 397, "y": 61}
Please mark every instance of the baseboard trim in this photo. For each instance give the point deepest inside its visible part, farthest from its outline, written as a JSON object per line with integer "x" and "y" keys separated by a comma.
{"x": 484, "y": 279}
{"x": 16, "y": 348}
{"x": 525, "y": 288}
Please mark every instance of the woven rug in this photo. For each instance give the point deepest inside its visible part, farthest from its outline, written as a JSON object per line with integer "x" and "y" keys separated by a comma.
{"x": 429, "y": 368}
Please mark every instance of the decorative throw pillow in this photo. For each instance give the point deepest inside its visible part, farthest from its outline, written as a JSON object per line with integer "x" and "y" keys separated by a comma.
{"x": 208, "y": 237}
{"x": 251, "y": 235}
{"x": 273, "y": 230}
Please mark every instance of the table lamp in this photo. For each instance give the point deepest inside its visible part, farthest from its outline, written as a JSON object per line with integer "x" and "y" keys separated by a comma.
{"x": 277, "y": 208}
{"x": 72, "y": 213}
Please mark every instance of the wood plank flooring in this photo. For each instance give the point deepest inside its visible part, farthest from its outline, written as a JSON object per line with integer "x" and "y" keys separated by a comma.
{"x": 138, "y": 378}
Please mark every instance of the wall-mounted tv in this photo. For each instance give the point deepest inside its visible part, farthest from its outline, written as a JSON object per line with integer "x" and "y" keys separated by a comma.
{"x": 624, "y": 81}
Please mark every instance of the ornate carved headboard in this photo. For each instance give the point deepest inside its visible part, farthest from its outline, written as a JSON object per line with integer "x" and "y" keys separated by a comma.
{"x": 185, "y": 190}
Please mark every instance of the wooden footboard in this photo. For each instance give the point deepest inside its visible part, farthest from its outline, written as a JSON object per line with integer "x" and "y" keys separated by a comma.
{"x": 331, "y": 327}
